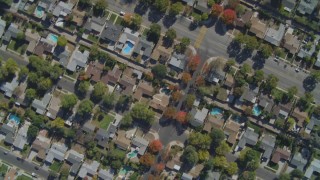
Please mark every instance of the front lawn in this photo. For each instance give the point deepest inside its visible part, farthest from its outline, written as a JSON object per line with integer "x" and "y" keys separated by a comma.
{"x": 113, "y": 17}
{"x": 25, "y": 151}
{"x": 103, "y": 120}
{"x": 19, "y": 48}
{"x": 55, "y": 166}
{"x": 3, "y": 169}
{"x": 119, "y": 20}
{"x": 93, "y": 38}
{"x": 24, "y": 177}
{"x": 273, "y": 165}
{"x": 5, "y": 145}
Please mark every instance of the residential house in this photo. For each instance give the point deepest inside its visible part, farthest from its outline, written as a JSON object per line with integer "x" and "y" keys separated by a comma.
{"x": 8, "y": 132}
{"x": 12, "y": 32}
{"x": 174, "y": 164}
{"x": 112, "y": 77}
{"x": 111, "y": 33}
{"x": 143, "y": 49}
{"x": 47, "y": 5}
{"x": 231, "y": 130}
{"x": 88, "y": 169}
{"x": 229, "y": 82}
{"x": 300, "y": 160}
{"x": 21, "y": 138}
{"x": 94, "y": 71}
{"x": 9, "y": 87}
{"x": 74, "y": 159}
{"x": 105, "y": 174}
{"x": 307, "y": 6}
{"x": 299, "y": 116}
{"x": 248, "y": 138}
{"x": 41, "y": 105}
{"x": 161, "y": 53}
{"x": 280, "y": 154}
{"x": 198, "y": 116}
{"x": 314, "y": 167}
{"x": 159, "y": 102}
{"x": 177, "y": 62}
{"x": 188, "y": 2}
{"x": 40, "y": 146}
{"x": 288, "y": 5}
{"x": 216, "y": 73}
{"x": 62, "y": 55}
{"x": 307, "y": 50}
{"x": 113, "y": 127}
{"x": 291, "y": 42}
{"x": 62, "y": 9}
{"x": 282, "y": 110}
{"x": 127, "y": 85}
{"x": 274, "y": 36}
{"x": 32, "y": 38}
{"x": 141, "y": 144}
{"x": 212, "y": 122}
{"x": 44, "y": 47}
{"x": 244, "y": 19}
{"x": 102, "y": 138}
{"x": 127, "y": 41}
{"x": 78, "y": 17}
{"x": 88, "y": 128}
{"x": 53, "y": 107}
{"x": 78, "y": 60}
{"x": 122, "y": 142}
{"x": 201, "y": 7}
{"x": 20, "y": 94}
{"x": 143, "y": 90}
{"x": 317, "y": 63}
{"x": 94, "y": 25}
{"x": 2, "y": 27}
{"x": 266, "y": 103}
{"x": 257, "y": 28}
{"x": 314, "y": 121}
{"x": 250, "y": 95}
{"x": 267, "y": 144}
{"x": 56, "y": 152}
{"x": 186, "y": 176}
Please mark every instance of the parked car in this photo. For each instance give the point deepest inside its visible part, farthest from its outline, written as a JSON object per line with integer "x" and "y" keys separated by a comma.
{"x": 122, "y": 13}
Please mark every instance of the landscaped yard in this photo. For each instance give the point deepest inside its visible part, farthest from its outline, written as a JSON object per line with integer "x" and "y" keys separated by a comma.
{"x": 3, "y": 169}
{"x": 72, "y": 74}
{"x": 92, "y": 38}
{"x": 24, "y": 177}
{"x": 18, "y": 48}
{"x": 55, "y": 166}
{"x": 25, "y": 151}
{"x": 113, "y": 17}
{"x": 4, "y": 145}
{"x": 273, "y": 165}
{"x": 256, "y": 128}
{"x": 119, "y": 20}
{"x": 103, "y": 120}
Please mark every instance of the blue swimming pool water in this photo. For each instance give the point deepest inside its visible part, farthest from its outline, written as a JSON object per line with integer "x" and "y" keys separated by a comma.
{"x": 256, "y": 111}
{"x": 124, "y": 170}
{"x": 166, "y": 91}
{"x": 39, "y": 12}
{"x": 216, "y": 111}
{"x": 132, "y": 154}
{"x": 14, "y": 118}
{"x": 127, "y": 48}
{"x": 53, "y": 38}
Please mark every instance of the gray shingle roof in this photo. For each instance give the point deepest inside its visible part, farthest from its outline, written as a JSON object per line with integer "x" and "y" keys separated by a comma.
{"x": 267, "y": 144}
{"x": 314, "y": 167}
{"x": 177, "y": 61}
{"x": 62, "y": 9}
{"x": 249, "y": 137}
{"x": 41, "y": 106}
{"x": 2, "y": 27}
{"x": 141, "y": 143}
{"x": 88, "y": 169}
{"x": 274, "y": 36}
{"x": 313, "y": 121}
{"x": 78, "y": 59}
{"x": 6, "y": 129}
{"x": 299, "y": 161}
{"x": 144, "y": 48}
{"x": 57, "y": 152}
{"x": 105, "y": 175}
{"x": 111, "y": 32}
{"x": 290, "y": 4}
{"x": 186, "y": 176}
{"x": 9, "y": 87}
{"x": 307, "y": 6}
{"x": 102, "y": 137}
{"x": 198, "y": 116}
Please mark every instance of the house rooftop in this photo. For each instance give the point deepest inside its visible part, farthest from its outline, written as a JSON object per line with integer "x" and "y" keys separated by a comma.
{"x": 41, "y": 105}
{"x": 78, "y": 59}
{"x": 62, "y": 9}
{"x": 267, "y": 144}
{"x": 257, "y": 27}
{"x": 244, "y": 19}
{"x": 307, "y": 6}
{"x": 2, "y": 27}
{"x": 288, "y": 4}
{"x": 299, "y": 161}
{"x": 266, "y": 102}
{"x": 314, "y": 167}
{"x": 102, "y": 137}
{"x": 105, "y": 174}
{"x": 88, "y": 169}
{"x": 144, "y": 48}
{"x": 274, "y": 36}
{"x": 53, "y": 107}
{"x": 198, "y": 116}
{"x": 9, "y": 87}
{"x": 160, "y": 102}
{"x": 186, "y": 176}
{"x": 211, "y": 122}
{"x": 314, "y": 121}
{"x": 249, "y": 137}
{"x": 291, "y": 42}
{"x": 231, "y": 130}
{"x": 143, "y": 89}
{"x": 280, "y": 154}
{"x": 95, "y": 70}
{"x": 56, "y": 152}
{"x": 112, "y": 77}
{"x": 141, "y": 143}
{"x": 177, "y": 61}
{"x": 111, "y": 32}
{"x": 300, "y": 116}
{"x": 127, "y": 84}
{"x": 95, "y": 24}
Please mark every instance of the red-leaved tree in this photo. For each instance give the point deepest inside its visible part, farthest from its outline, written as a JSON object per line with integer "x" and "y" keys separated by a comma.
{"x": 228, "y": 16}
{"x": 216, "y": 10}
{"x": 155, "y": 146}
{"x": 194, "y": 62}
{"x": 200, "y": 81}
{"x": 159, "y": 167}
{"x": 181, "y": 117}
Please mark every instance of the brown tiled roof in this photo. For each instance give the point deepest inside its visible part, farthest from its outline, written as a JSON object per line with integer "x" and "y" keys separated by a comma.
{"x": 258, "y": 28}
{"x": 143, "y": 88}
{"x": 229, "y": 82}
{"x": 122, "y": 141}
{"x": 284, "y": 107}
{"x": 159, "y": 102}
{"x": 128, "y": 72}
{"x": 232, "y": 128}
{"x": 127, "y": 84}
{"x": 41, "y": 154}
{"x": 38, "y": 145}
{"x": 291, "y": 43}
{"x": 94, "y": 71}
{"x": 112, "y": 76}
{"x": 78, "y": 16}
{"x": 217, "y": 123}
{"x": 42, "y": 47}
{"x": 244, "y": 19}
{"x": 280, "y": 154}
{"x": 300, "y": 116}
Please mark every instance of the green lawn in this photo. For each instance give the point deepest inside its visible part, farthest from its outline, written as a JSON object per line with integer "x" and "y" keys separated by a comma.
{"x": 104, "y": 121}
{"x": 145, "y": 32}
{"x": 3, "y": 169}
{"x": 21, "y": 49}
{"x": 106, "y": 14}
{"x": 92, "y": 38}
{"x": 55, "y": 166}
{"x": 25, "y": 150}
{"x": 256, "y": 128}
{"x": 113, "y": 17}
{"x": 4, "y": 145}
{"x": 119, "y": 20}
{"x": 24, "y": 177}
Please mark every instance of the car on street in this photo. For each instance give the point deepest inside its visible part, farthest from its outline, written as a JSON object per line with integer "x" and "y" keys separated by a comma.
{"x": 5, "y": 152}
{"x": 34, "y": 174}
{"x": 276, "y": 59}
{"x": 297, "y": 70}
{"x": 122, "y": 13}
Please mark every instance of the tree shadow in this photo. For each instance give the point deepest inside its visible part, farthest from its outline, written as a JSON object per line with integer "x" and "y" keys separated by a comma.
{"x": 309, "y": 83}
{"x": 234, "y": 49}
{"x": 220, "y": 28}
{"x": 211, "y": 22}
{"x": 259, "y": 61}
{"x": 155, "y": 15}
{"x": 193, "y": 26}
{"x": 243, "y": 56}
{"x": 141, "y": 8}
{"x": 169, "y": 20}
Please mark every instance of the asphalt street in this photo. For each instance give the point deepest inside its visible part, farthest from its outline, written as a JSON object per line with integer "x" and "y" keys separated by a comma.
{"x": 23, "y": 164}
{"x": 19, "y": 59}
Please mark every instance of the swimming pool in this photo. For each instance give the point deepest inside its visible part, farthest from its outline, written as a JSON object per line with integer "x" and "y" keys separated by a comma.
{"x": 14, "y": 118}
{"x": 216, "y": 111}
{"x": 123, "y": 171}
{"x": 132, "y": 154}
{"x": 39, "y": 12}
{"x": 165, "y": 91}
{"x": 53, "y": 38}
{"x": 127, "y": 48}
{"x": 256, "y": 111}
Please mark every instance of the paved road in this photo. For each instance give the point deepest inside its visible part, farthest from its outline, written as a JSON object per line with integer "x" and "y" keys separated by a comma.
{"x": 23, "y": 164}
{"x": 19, "y": 59}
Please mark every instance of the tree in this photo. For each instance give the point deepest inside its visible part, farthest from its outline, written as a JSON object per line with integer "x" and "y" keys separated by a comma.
{"x": 141, "y": 112}
{"x": 85, "y": 107}
{"x": 176, "y": 96}
{"x": 31, "y": 94}
{"x": 194, "y": 63}
{"x": 250, "y": 42}
{"x": 83, "y": 87}
{"x": 170, "y": 35}
{"x": 169, "y": 113}
{"x": 126, "y": 120}
{"x": 305, "y": 101}
{"x": 247, "y": 175}
{"x": 154, "y": 32}
{"x": 296, "y": 173}
{"x": 132, "y": 20}
{"x": 258, "y": 77}
{"x": 57, "y": 123}
{"x": 266, "y": 50}
{"x": 161, "y": 5}
{"x": 316, "y": 110}
{"x": 182, "y": 46}
{"x": 155, "y": 146}
{"x": 62, "y": 41}
{"x": 291, "y": 92}
{"x": 176, "y": 8}
{"x": 32, "y": 132}
{"x": 245, "y": 69}
{"x": 109, "y": 100}
{"x": 200, "y": 81}
{"x": 271, "y": 82}
{"x": 316, "y": 75}
{"x": 186, "y": 77}
{"x": 23, "y": 73}
{"x": 216, "y": 10}
{"x": 159, "y": 167}
{"x": 99, "y": 90}
{"x": 20, "y": 36}
{"x": 249, "y": 159}
{"x": 159, "y": 71}
{"x": 220, "y": 162}
{"x": 11, "y": 66}
{"x": 228, "y": 16}
{"x": 190, "y": 156}
{"x": 68, "y": 101}
{"x": 181, "y": 117}
{"x": 203, "y": 155}
{"x": 199, "y": 140}
{"x": 99, "y": 7}
{"x": 223, "y": 148}
{"x": 232, "y": 168}
{"x": 217, "y": 136}
{"x": 44, "y": 84}
{"x": 147, "y": 159}
{"x": 123, "y": 102}
{"x": 284, "y": 176}
{"x": 190, "y": 100}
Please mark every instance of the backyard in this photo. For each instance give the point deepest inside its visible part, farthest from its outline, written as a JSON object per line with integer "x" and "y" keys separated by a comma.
{"x": 103, "y": 120}
{"x": 55, "y": 166}
{"x": 19, "y": 48}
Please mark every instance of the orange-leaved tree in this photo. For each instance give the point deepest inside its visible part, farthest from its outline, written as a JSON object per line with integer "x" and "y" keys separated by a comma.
{"x": 176, "y": 96}
{"x": 216, "y": 10}
{"x": 228, "y": 16}
{"x": 194, "y": 62}
{"x": 155, "y": 146}
{"x": 169, "y": 113}
{"x": 147, "y": 159}
{"x": 186, "y": 77}
{"x": 181, "y": 117}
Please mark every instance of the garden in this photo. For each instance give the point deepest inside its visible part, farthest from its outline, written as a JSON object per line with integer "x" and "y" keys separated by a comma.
{"x": 103, "y": 120}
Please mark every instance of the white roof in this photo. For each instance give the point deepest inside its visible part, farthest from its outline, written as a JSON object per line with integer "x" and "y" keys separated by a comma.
{"x": 78, "y": 59}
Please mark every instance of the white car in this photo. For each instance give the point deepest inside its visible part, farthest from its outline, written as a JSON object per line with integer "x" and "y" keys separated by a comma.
{"x": 122, "y": 13}
{"x": 276, "y": 59}
{"x": 33, "y": 174}
{"x": 297, "y": 70}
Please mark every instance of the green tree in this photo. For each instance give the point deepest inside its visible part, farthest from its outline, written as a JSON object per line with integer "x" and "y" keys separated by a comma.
{"x": 159, "y": 71}
{"x": 23, "y": 73}
{"x": 182, "y": 46}
{"x": 123, "y": 102}
{"x": 109, "y": 100}
{"x": 99, "y": 7}
{"x": 57, "y": 123}
{"x": 266, "y": 50}
{"x": 176, "y": 8}
{"x": 68, "y": 101}
{"x": 141, "y": 112}
{"x": 271, "y": 82}
{"x": 292, "y": 91}
{"x": 85, "y": 107}
{"x": 170, "y": 36}
{"x": 251, "y": 42}
{"x": 190, "y": 100}
{"x": 99, "y": 89}
{"x": 220, "y": 162}
{"x": 190, "y": 156}
{"x": 217, "y": 136}
{"x": 245, "y": 69}
{"x": 136, "y": 20}
{"x": 62, "y": 41}
{"x": 284, "y": 177}
{"x": 305, "y": 101}
{"x": 296, "y": 173}
{"x": 44, "y": 84}
{"x": 199, "y": 140}
{"x": 154, "y": 32}
{"x": 11, "y": 66}
{"x": 258, "y": 76}
{"x": 223, "y": 148}
{"x": 203, "y": 155}
{"x": 316, "y": 110}
{"x": 32, "y": 132}
{"x": 249, "y": 159}
{"x": 30, "y": 94}
{"x": 126, "y": 120}
{"x": 161, "y": 5}
{"x": 247, "y": 175}
{"x": 83, "y": 87}
{"x": 21, "y": 36}
{"x": 232, "y": 168}
{"x": 316, "y": 75}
